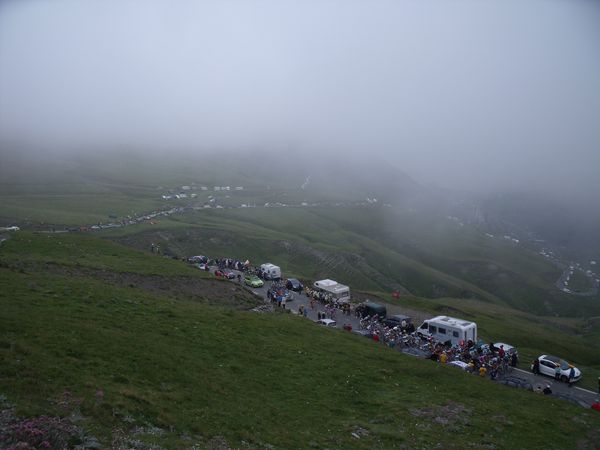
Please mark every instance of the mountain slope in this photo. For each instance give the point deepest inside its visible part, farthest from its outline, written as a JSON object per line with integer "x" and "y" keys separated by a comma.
{"x": 131, "y": 364}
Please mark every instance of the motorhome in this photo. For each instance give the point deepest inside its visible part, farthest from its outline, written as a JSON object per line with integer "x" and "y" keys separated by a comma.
{"x": 339, "y": 292}
{"x": 270, "y": 271}
{"x": 449, "y": 329}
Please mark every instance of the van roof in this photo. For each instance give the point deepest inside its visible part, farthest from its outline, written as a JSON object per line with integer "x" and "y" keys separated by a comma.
{"x": 325, "y": 283}
{"x": 452, "y": 321}
{"x": 374, "y": 306}
{"x": 332, "y": 286}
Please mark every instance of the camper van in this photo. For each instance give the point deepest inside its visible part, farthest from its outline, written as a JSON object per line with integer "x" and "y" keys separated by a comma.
{"x": 270, "y": 271}
{"x": 449, "y": 329}
{"x": 339, "y": 292}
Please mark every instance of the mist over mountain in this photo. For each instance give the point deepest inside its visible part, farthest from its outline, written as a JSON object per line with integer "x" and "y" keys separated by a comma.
{"x": 431, "y": 106}
{"x": 439, "y": 90}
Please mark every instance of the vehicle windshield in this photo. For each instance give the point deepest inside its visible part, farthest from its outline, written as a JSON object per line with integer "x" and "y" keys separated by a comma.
{"x": 564, "y": 365}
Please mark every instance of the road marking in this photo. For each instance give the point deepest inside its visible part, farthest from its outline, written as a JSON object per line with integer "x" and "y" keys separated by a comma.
{"x": 581, "y": 389}
{"x": 524, "y": 371}
{"x": 586, "y": 390}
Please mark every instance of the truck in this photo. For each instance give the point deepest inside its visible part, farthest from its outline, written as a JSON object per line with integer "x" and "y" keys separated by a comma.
{"x": 449, "y": 330}
{"x": 339, "y": 292}
{"x": 270, "y": 271}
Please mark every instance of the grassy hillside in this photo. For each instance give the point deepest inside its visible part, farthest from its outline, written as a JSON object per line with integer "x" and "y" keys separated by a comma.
{"x": 417, "y": 251}
{"x": 374, "y": 248}
{"x": 130, "y": 363}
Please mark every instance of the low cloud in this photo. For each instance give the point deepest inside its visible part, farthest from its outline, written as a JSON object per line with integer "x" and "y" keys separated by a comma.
{"x": 465, "y": 94}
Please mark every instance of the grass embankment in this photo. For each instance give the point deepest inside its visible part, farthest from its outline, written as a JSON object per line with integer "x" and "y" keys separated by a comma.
{"x": 204, "y": 372}
{"x": 89, "y": 251}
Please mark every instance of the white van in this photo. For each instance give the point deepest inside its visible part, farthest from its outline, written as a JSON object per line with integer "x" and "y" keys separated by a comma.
{"x": 444, "y": 328}
{"x": 340, "y": 292}
{"x": 270, "y": 271}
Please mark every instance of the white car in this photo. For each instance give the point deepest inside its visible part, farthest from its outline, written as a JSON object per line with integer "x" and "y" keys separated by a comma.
{"x": 508, "y": 349}
{"x": 327, "y": 322}
{"x": 548, "y": 364}
{"x": 460, "y": 364}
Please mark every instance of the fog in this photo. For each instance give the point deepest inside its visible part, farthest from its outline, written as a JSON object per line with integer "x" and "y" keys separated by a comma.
{"x": 478, "y": 95}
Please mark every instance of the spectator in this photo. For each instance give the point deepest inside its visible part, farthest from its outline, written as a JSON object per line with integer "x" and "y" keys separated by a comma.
{"x": 557, "y": 373}
{"x": 536, "y": 366}
{"x": 501, "y": 352}
{"x": 571, "y": 376}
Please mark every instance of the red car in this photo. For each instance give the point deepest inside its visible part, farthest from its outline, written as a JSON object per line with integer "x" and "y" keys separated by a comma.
{"x": 228, "y": 274}
{"x": 225, "y": 274}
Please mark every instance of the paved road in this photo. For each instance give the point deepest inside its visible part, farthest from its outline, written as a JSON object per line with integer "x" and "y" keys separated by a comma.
{"x": 574, "y": 394}
{"x": 562, "y": 283}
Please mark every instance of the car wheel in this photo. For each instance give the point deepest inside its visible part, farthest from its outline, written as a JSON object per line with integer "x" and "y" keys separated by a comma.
{"x": 563, "y": 378}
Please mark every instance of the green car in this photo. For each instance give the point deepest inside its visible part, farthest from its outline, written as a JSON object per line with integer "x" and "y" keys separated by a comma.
{"x": 253, "y": 281}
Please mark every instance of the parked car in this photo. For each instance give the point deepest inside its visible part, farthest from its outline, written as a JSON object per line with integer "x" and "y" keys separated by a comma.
{"x": 396, "y": 320}
{"x": 548, "y": 366}
{"x": 460, "y": 364}
{"x": 288, "y": 295}
{"x": 198, "y": 259}
{"x": 228, "y": 274}
{"x": 327, "y": 322}
{"x": 293, "y": 285}
{"x": 511, "y": 351}
{"x": 364, "y": 333}
{"x": 253, "y": 281}
{"x": 508, "y": 349}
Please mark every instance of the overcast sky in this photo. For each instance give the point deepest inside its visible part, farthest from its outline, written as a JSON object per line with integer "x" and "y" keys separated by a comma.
{"x": 462, "y": 93}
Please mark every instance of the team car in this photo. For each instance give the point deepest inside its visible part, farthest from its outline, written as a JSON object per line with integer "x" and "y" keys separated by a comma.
{"x": 253, "y": 281}
{"x": 548, "y": 364}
